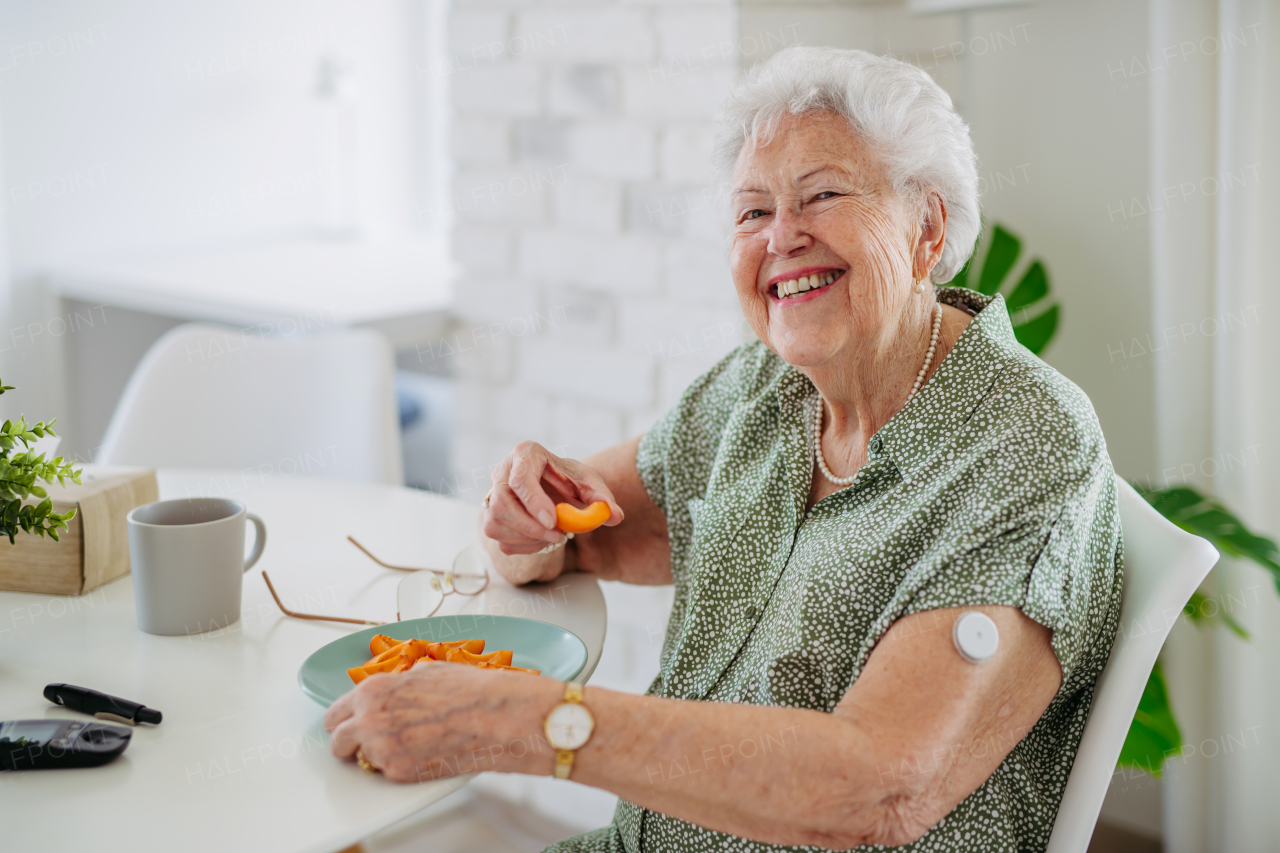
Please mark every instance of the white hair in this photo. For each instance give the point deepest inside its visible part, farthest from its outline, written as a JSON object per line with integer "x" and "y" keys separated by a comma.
{"x": 906, "y": 117}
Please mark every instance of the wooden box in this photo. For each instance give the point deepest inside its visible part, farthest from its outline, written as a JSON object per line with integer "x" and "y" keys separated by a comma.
{"x": 94, "y": 547}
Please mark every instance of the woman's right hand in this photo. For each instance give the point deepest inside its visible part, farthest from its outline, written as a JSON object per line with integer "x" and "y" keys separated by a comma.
{"x": 521, "y": 516}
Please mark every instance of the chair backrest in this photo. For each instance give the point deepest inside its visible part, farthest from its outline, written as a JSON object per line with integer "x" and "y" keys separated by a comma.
{"x": 1163, "y": 565}
{"x": 315, "y": 405}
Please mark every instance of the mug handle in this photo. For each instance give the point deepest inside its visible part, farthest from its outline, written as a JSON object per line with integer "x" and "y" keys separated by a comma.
{"x": 259, "y": 540}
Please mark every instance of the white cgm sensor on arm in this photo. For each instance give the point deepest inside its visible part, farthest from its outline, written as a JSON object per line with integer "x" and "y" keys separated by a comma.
{"x": 975, "y": 636}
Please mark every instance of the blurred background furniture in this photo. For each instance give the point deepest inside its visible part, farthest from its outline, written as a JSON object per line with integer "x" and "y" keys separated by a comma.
{"x": 117, "y": 306}
{"x": 206, "y": 396}
{"x": 1163, "y": 565}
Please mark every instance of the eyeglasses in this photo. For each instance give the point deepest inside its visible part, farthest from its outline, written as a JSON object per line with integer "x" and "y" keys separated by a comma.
{"x": 425, "y": 589}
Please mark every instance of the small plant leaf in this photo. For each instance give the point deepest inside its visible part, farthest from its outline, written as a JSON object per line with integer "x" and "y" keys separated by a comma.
{"x": 1197, "y": 610}
{"x": 1036, "y": 333}
{"x": 961, "y": 279}
{"x": 1169, "y": 502}
{"x": 20, "y": 475}
{"x": 1197, "y": 514}
{"x": 1232, "y": 625}
{"x": 1154, "y": 733}
{"x": 1033, "y": 287}
{"x": 1000, "y": 258}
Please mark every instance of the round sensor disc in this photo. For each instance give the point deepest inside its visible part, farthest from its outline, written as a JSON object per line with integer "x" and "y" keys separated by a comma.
{"x": 975, "y": 636}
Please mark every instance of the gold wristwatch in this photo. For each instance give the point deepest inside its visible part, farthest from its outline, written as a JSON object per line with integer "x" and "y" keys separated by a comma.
{"x": 568, "y": 728}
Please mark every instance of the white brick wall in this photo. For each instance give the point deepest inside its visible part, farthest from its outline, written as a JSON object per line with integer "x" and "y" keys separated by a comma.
{"x": 684, "y": 153}
{"x": 617, "y": 264}
{"x": 577, "y": 34}
{"x": 624, "y": 151}
{"x": 618, "y": 253}
{"x": 480, "y": 141}
{"x": 502, "y": 89}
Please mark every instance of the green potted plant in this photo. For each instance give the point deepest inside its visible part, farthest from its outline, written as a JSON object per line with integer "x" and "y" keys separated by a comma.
{"x": 20, "y": 476}
{"x": 1154, "y": 734}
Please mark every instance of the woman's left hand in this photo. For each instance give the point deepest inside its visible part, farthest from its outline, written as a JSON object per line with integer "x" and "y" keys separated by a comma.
{"x": 443, "y": 719}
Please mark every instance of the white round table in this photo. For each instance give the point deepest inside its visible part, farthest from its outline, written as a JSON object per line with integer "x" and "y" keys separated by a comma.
{"x": 241, "y": 761}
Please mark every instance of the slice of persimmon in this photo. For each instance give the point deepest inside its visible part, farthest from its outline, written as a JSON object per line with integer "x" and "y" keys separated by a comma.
{"x": 570, "y": 519}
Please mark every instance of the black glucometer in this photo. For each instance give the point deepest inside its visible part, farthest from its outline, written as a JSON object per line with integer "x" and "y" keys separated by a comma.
{"x": 49, "y": 744}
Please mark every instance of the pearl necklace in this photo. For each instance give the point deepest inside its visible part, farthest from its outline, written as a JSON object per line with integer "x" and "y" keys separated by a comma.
{"x": 817, "y": 422}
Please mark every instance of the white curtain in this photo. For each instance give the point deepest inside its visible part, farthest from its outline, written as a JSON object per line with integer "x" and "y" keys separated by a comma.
{"x": 1215, "y": 116}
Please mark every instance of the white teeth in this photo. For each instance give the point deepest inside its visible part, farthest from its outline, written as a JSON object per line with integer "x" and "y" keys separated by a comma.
{"x": 806, "y": 282}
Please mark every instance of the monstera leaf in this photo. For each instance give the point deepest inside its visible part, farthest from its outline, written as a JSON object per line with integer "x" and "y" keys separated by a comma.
{"x": 1153, "y": 734}
{"x": 1034, "y": 314}
{"x": 1207, "y": 518}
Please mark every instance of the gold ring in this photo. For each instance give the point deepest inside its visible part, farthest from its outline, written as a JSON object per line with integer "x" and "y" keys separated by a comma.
{"x": 485, "y": 502}
{"x": 364, "y": 762}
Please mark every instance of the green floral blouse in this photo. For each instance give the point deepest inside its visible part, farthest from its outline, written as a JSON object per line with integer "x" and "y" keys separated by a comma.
{"x": 991, "y": 486}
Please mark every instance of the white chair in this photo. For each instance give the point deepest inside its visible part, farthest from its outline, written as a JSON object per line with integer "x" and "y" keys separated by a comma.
{"x": 1163, "y": 565}
{"x": 315, "y": 405}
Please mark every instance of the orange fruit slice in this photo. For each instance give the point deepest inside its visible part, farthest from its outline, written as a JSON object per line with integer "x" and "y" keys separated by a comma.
{"x": 570, "y": 519}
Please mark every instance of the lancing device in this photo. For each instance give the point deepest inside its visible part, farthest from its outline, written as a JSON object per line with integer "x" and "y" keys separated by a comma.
{"x": 101, "y": 705}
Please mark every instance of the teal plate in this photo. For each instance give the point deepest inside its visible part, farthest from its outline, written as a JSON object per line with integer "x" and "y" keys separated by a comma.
{"x": 537, "y": 645}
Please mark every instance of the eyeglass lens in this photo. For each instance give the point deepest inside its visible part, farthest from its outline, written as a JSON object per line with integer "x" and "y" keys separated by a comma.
{"x": 469, "y": 574}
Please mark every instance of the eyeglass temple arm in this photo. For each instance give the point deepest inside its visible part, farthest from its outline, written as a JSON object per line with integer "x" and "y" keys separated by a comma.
{"x": 296, "y": 615}
{"x": 367, "y": 553}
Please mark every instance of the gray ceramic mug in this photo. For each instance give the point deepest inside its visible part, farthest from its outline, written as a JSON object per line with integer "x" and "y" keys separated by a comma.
{"x": 188, "y": 561}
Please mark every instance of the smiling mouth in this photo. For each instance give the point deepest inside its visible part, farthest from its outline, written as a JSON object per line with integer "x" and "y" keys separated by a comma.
{"x": 805, "y": 283}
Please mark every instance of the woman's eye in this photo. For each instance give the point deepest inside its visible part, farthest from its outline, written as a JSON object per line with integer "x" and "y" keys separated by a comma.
{"x": 825, "y": 194}
{"x": 752, "y": 214}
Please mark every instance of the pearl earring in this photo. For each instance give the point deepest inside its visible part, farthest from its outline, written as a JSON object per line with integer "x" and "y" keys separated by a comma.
{"x": 920, "y": 287}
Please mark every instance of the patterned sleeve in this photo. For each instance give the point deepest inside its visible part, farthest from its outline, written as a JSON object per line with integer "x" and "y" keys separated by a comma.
{"x": 1033, "y": 523}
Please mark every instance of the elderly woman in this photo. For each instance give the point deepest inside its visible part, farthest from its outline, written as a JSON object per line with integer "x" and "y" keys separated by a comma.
{"x": 827, "y": 502}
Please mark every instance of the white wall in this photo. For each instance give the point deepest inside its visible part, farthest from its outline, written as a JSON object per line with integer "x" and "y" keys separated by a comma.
{"x": 139, "y": 126}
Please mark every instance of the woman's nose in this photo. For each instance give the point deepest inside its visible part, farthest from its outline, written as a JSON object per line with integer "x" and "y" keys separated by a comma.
{"x": 789, "y": 233}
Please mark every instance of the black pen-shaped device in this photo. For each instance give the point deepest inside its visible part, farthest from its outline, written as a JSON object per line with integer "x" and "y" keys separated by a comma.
{"x": 100, "y": 705}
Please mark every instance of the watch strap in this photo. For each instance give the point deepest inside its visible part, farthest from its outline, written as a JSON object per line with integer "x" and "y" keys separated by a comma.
{"x": 564, "y": 757}
{"x": 564, "y": 763}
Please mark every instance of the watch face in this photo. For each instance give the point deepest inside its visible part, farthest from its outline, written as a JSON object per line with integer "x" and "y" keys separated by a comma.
{"x": 569, "y": 726}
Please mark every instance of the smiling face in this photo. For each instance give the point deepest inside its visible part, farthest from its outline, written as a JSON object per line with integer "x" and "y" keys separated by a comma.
{"x": 823, "y": 247}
